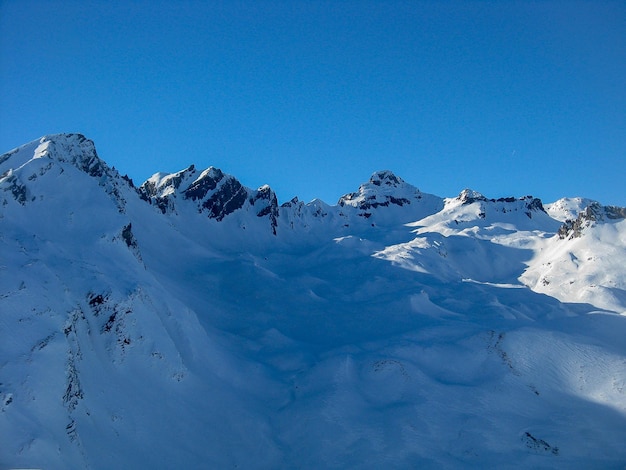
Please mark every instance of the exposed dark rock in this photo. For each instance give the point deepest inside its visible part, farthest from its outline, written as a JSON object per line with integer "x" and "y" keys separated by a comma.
{"x": 594, "y": 212}
{"x": 80, "y": 152}
{"x": 128, "y": 237}
{"x": 93, "y": 166}
{"x": 467, "y": 196}
{"x": 386, "y": 178}
{"x": 199, "y": 188}
{"x": 495, "y": 345}
{"x": 6, "y": 156}
{"x": 530, "y": 204}
{"x": 265, "y": 195}
{"x": 535, "y": 204}
{"x": 215, "y": 193}
{"x": 505, "y": 199}
{"x": 163, "y": 203}
{"x": 131, "y": 241}
{"x": 149, "y": 191}
{"x": 43, "y": 342}
{"x": 73, "y": 391}
{"x": 230, "y": 197}
{"x": 129, "y": 180}
{"x": 70, "y": 429}
{"x": 615, "y": 212}
{"x": 17, "y": 189}
{"x": 109, "y": 324}
{"x": 538, "y": 444}
{"x": 399, "y": 201}
{"x": 294, "y": 201}
{"x": 96, "y": 299}
{"x": 377, "y": 198}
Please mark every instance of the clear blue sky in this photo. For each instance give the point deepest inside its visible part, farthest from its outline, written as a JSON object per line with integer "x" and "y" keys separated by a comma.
{"x": 311, "y": 97}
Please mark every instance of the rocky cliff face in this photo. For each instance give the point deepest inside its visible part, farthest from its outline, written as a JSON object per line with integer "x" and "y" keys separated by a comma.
{"x": 527, "y": 204}
{"x": 211, "y": 192}
{"x": 593, "y": 213}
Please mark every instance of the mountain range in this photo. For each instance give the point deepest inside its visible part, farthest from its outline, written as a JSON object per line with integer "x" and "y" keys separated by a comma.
{"x": 191, "y": 321}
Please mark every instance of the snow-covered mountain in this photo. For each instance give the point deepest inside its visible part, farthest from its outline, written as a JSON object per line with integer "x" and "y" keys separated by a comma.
{"x": 194, "y": 322}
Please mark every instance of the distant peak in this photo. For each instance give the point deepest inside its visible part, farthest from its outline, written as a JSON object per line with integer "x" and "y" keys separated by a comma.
{"x": 66, "y": 142}
{"x": 468, "y": 196}
{"x": 385, "y": 178}
{"x": 213, "y": 173}
{"x": 384, "y": 189}
{"x": 75, "y": 149}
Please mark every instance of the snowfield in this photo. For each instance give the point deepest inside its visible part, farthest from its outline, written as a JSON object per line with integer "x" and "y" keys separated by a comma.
{"x": 194, "y": 322}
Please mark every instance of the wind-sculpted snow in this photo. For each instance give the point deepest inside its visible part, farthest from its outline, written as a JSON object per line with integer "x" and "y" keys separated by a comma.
{"x": 176, "y": 325}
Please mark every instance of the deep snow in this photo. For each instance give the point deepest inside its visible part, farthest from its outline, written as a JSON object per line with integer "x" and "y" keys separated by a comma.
{"x": 395, "y": 329}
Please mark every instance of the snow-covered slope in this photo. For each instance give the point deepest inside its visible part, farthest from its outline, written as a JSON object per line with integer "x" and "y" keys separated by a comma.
{"x": 194, "y": 322}
{"x": 585, "y": 262}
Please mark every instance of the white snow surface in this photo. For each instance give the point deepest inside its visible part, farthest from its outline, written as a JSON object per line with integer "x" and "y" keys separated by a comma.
{"x": 395, "y": 329}
{"x": 567, "y": 207}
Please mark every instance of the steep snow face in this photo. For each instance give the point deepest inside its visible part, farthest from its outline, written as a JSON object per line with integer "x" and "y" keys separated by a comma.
{"x": 138, "y": 330}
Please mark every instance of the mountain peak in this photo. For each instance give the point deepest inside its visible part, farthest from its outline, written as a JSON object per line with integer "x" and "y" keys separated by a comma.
{"x": 22, "y": 167}
{"x": 382, "y": 189}
{"x": 385, "y": 178}
{"x": 73, "y": 148}
{"x": 467, "y": 196}
{"x": 210, "y": 191}
{"x": 385, "y": 189}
